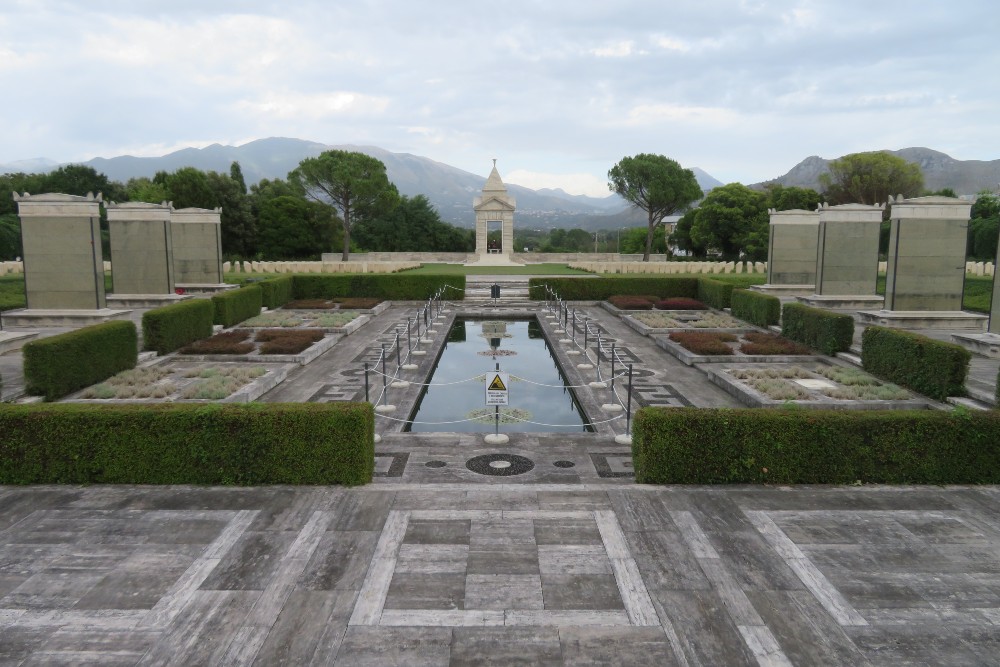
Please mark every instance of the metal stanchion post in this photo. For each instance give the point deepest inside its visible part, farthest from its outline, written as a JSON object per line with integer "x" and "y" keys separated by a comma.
{"x": 574, "y": 325}
{"x": 628, "y": 404}
{"x": 598, "y": 353}
{"x": 398, "y": 362}
{"x": 613, "y": 371}
{"x": 409, "y": 341}
{"x": 366, "y": 383}
{"x": 385, "y": 377}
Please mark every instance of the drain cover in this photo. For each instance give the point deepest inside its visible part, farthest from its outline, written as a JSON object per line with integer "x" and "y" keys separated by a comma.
{"x": 499, "y": 465}
{"x": 564, "y": 464}
{"x": 435, "y": 464}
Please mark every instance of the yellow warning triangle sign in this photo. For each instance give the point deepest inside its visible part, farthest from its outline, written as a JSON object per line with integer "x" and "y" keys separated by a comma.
{"x": 497, "y": 384}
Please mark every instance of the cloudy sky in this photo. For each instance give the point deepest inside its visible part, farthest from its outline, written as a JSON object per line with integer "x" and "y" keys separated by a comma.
{"x": 557, "y": 90}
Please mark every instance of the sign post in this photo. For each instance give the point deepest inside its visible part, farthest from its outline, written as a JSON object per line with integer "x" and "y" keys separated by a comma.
{"x": 497, "y": 394}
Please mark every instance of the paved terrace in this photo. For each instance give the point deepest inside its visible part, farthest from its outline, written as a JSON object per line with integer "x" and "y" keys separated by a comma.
{"x": 549, "y": 556}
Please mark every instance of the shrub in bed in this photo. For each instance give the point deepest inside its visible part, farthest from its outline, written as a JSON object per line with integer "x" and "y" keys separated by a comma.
{"x": 61, "y": 364}
{"x": 704, "y": 342}
{"x": 286, "y": 341}
{"x": 599, "y": 289}
{"x": 818, "y": 328}
{"x": 234, "y": 306}
{"x": 931, "y": 367}
{"x": 276, "y": 292}
{"x": 726, "y": 446}
{"x": 762, "y": 310}
{"x": 311, "y": 304}
{"x": 768, "y": 343}
{"x": 362, "y": 303}
{"x": 632, "y": 301}
{"x": 715, "y": 293}
{"x": 171, "y": 327}
{"x": 259, "y": 443}
{"x": 680, "y": 303}
{"x": 224, "y": 342}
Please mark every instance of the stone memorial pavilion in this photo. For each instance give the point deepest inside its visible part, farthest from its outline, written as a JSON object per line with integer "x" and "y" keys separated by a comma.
{"x": 196, "y": 235}
{"x": 847, "y": 257}
{"x": 63, "y": 262}
{"x": 494, "y": 206}
{"x": 142, "y": 259}
{"x": 791, "y": 253}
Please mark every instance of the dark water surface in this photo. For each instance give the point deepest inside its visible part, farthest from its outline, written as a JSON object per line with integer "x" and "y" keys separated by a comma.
{"x": 533, "y": 361}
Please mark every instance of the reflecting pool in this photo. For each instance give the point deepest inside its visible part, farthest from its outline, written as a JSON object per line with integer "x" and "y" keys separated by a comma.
{"x": 473, "y": 349}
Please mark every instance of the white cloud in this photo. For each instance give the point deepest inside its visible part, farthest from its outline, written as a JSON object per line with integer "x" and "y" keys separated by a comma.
{"x": 292, "y": 105}
{"x": 654, "y": 114}
{"x": 619, "y": 49}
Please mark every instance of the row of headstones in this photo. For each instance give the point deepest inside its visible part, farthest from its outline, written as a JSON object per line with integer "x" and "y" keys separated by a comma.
{"x": 833, "y": 252}
{"x": 154, "y": 249}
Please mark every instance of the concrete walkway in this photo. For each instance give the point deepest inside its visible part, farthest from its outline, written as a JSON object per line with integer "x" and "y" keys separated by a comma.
{"x": 538, "y": 552}
{"x": 472, "y": 573}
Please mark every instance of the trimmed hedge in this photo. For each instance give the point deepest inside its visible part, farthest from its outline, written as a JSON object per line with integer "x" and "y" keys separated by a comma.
{"x": 61, "y": 364}
{"x": 762, "y": 310}
{"x": 930, "y": 367}
{"x": 256, "y": 443}
{"x": 820, "y": 329}
{"x": 599, "y": 289}
{"x": 235, "y": 306}
{"x": 382, "y": 286}
{"x": 715, "y": 293}
{"x": 172, "y": 327}
{"x": 725, "y": 446}
{"x": 276, "y": 292}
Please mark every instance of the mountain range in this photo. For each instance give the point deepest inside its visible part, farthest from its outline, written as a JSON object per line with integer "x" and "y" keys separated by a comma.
{"x": 451, "y": 190}
{"x": 965, "y": 177}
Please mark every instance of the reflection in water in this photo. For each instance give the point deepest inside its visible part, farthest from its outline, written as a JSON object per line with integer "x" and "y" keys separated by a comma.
{"x": 521, "y": 350}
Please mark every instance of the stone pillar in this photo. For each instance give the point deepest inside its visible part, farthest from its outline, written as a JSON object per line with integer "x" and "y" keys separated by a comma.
{"x": 142, "y": 260}
{"x": 927, "y": 245}
{"x": 197, "y": 241}
{"x": 61, "y": 240}
{"x": 791, "y": 252}
{"x": 847, "y": 257}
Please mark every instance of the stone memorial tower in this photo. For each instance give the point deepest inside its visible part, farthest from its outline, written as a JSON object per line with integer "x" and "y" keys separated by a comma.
{"x": 196, "y": 235}
{"x": 142, "y": 258}
{"x": 925, "y": 275}
{"x": 847, "y": 257}
{"x": 63, "y": 262}
{"x": 495, "y": 206}
{"x": 791, "y": 253}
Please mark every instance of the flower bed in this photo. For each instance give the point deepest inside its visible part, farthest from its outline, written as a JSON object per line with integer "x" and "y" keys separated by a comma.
{"x": 821, "y": 385}
{"x": 291, "y": 319}
{"x": 699, "y": 347}
{"x": 187, "y": 381}
{"x": 339, "y": 303}
{"x": 680, "y": 303}
{"x": 288, "y": 345}
{"x": 668, "y": 321}
{"x": 633, "y": 302}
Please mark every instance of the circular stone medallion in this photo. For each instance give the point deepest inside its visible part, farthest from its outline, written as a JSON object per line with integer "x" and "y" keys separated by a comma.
{"x": 435, "y": 464}
{"x": 564, "y": 464}
{"x": 499, "y": 465}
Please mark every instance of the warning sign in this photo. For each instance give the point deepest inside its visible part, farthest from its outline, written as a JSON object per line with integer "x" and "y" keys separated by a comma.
{"x": 496, "y": 389}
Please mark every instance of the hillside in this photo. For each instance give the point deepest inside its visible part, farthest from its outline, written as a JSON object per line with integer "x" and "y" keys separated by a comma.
{"x": 450, "y": 190}
{"x": 965, "y": 177}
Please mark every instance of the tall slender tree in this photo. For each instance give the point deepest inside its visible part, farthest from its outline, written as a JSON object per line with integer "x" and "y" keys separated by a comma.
{"x": 657, "y": 185}
{"x": 354, "y": 183}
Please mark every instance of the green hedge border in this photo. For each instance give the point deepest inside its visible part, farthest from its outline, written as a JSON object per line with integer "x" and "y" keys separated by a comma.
{"x": 382, "y": 286}
{"x": 251, "y": 444}
{"x": 820, "y": 329}
{"x": 172, "y": 327}
{"x": 599, "y": 289}
{"x": 762, "y": 310}
{"x": 725, "y": 446}
{"x": 235, "y": 306}
{"x": 276, "y": 292}
{"x": 61, "y": 364}
{"x": 930, "y": 367}
{"x": 715, "y": 293}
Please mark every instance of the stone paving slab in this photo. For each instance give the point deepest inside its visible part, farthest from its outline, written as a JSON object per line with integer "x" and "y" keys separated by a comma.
{"x": 500, "y": 573}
